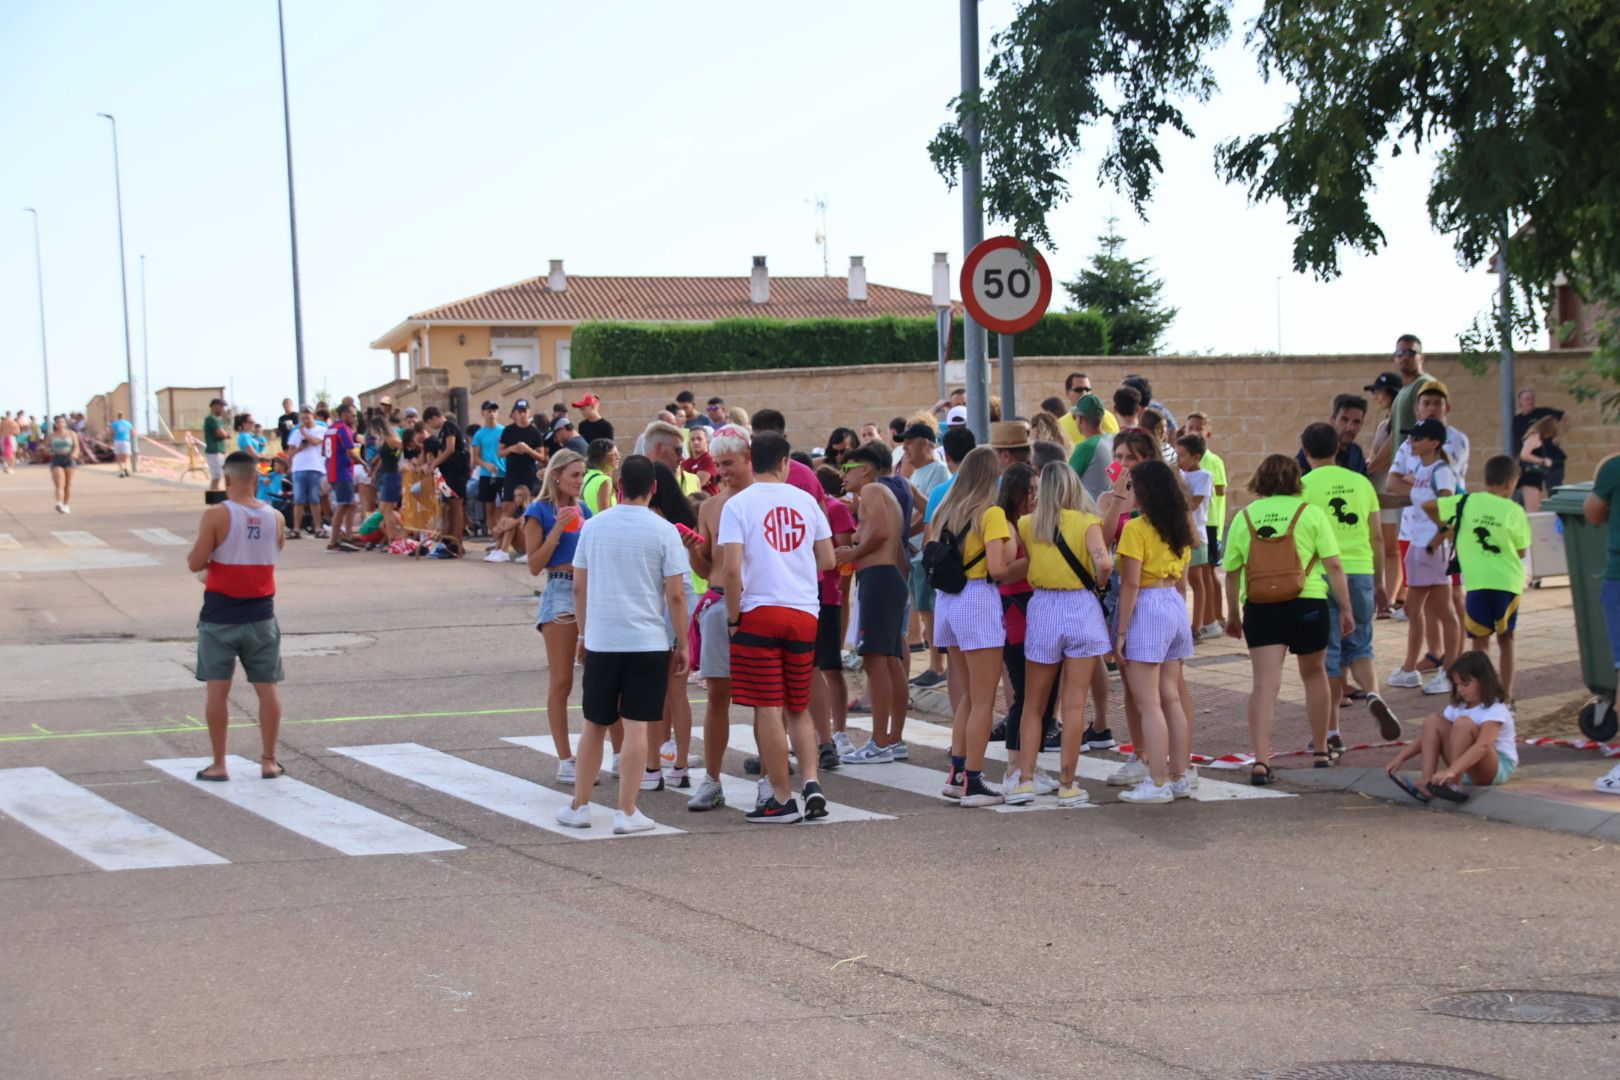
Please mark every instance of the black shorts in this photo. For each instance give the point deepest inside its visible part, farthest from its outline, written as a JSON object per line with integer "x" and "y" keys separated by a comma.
{"x": 489, "y": 488}
{"x": 510, "y": 485}
{"x": 625, "y": 685}
{"x": 882, "y": 611}
{"x": 1214, "y": 547}
{"x": 830, "y": 638}
{"x": 1301, "y": 624}
{"x": 457, "y": 483}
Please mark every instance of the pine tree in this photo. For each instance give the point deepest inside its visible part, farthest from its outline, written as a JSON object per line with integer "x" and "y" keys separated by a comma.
{"x": 1126, "y": 292}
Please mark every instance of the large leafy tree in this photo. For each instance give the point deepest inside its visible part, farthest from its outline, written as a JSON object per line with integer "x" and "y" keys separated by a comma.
{"x": 1127, "y": 293}
{"x": 1520, "y": 98}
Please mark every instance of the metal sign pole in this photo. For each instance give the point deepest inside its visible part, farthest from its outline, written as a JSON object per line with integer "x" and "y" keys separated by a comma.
{"x": 1004, "y": 361}
{"x": 973, "y": 338}
{"x": 1505, "y": 317}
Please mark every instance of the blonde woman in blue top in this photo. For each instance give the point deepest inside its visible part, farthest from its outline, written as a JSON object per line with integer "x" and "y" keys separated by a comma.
{"x": 551, "y": 528}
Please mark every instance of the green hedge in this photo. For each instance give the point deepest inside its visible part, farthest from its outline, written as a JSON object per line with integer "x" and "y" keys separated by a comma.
{"x": 605, "y": 349}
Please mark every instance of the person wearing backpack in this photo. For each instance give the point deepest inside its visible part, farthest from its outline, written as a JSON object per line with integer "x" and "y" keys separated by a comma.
{"x": 1274, "y": 550}
{"x": 966, "y": 554}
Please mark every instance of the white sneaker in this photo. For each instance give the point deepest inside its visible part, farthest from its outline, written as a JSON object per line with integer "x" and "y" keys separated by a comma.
{"x": 497, "y": 555}
{"x": 66, "y": 509}
{"x": 1020, "y": 794}
{"x": 632, "y": 823}
{"x": 666, "y": 753}
{"x": 843, "y": 743}
{"x": 575, "y": 817}
{"x": 1211, "y": 630}
{"x": 567, "y": 771}
{"x": 1072, "y": 796}
{"x": 1044, "y": 784}
{"x": 869, "y": 753}
{"x": 1407, "y": 680}
{"x": 1439, "y": 684}
{"x": 1399, "y": 614}
{"x": 1148, "y": 792}
{"x": 1183, "y": 786}
{"x": 613, "y": 765}
{"x": 1132, "y": 772}
{"x": 59, "y": 509}
{"x": 1608, "y": 784}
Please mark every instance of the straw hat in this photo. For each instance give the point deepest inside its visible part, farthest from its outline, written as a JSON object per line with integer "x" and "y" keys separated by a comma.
{"x": 1009, "y": 435}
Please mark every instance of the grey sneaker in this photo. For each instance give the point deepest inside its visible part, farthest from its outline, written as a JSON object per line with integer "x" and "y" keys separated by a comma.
{"x": 898, "y": 751}
{"x": 843, "y": 743}
{"x": 710, "y": 796}
{"x": 1132, "y": 772}
{"x": 869, "y": 753}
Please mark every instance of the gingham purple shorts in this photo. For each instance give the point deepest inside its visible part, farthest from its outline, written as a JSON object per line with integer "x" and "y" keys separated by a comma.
{"x": 1160, "y": 628}
{"x": 970, "y": 619}
{"x": 1064, "y": 622}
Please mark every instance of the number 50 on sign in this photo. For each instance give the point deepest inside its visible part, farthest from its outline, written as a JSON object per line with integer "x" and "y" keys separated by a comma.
{"x": 1004, "y": 289}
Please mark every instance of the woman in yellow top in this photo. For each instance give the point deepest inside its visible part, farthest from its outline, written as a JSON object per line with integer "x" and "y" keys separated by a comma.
{"x": 1065, "y": 621}
{"x": 968, "y": 624}
{"x": 1298, "y": 626}
{"x": 1152, "y": 633}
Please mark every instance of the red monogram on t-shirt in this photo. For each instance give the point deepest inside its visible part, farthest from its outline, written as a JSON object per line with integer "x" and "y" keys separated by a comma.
{"x": 784, "y": 529}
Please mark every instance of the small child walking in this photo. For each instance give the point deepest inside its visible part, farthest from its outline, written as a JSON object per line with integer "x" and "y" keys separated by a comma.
{"x": 1472, "y": 739}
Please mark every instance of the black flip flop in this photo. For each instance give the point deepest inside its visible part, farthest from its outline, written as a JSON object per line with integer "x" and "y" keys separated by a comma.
{"x": 1260, "y": 779}
{"x": 202, "y": 774}
{"x": 1323, "y": 759}
{"x": 281, "y": 770}
{"x": 1410, "y": 788}
{"x": 1448, "y": 793}
{"x": 1389, "y": 726}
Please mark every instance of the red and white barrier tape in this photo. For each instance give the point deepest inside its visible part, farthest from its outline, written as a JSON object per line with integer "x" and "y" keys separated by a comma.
{"x": 1241, "y": 761}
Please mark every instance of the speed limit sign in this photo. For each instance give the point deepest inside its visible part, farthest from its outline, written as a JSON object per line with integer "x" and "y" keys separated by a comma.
{"x": 1003, "y": 290}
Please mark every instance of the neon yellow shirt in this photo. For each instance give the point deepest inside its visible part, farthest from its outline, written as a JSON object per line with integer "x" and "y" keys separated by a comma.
{"x": 1071, "y": 427}
{"x": 1489, "y": 538}
{"x": 1349, "y": 501}
{"x": 1217, "y": 503}
{"x": 1313, "y": 539}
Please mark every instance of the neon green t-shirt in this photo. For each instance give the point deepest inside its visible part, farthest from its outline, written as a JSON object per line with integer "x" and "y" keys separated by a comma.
{"x": 1349, "y": 501}
{"x": 1313, "y": 539}
{"x": 1489, "y": 538}
{"x": 1217, "y": 503}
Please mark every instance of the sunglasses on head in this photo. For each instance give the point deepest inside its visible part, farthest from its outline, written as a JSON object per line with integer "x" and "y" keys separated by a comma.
{"x": 848, "y": 465}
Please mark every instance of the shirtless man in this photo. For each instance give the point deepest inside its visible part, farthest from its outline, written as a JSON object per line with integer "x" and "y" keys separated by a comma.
{"x": 881, "y": 563}
{"x": 735, "y": 472}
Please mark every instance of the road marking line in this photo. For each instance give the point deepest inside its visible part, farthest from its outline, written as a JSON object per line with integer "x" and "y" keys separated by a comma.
{"x": 739, "y": 792}
{"x": 160, "y": 537}
{"x": 78, "y": 538}
{"x": 91, "y": 827}
{"x": 308, "y": 811}
{"x": 489, "y": 788}
{"x": 896, "y": 774}
{"x": 938, "y": 737}
{"x": 9, "y": 542}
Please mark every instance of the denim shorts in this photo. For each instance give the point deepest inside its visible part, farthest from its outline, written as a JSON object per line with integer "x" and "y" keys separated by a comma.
{"x": 1343, "y": 651}
{"x": 557, "y": 599}
{"x": 342, "y": 493}
{"x": 389, "y": 488}
{"x": 922, "y": 593}
{"x": 307, "y": 487}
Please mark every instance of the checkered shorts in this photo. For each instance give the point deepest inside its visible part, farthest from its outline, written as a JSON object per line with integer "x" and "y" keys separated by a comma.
{"x": 970, "y": 619}
{"x": 1160, "y": 628}
{"x": 1064, "y": 623}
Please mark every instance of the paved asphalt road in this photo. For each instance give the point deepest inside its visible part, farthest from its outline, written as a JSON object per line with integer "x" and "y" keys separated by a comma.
{"x": 1222, "y": 938}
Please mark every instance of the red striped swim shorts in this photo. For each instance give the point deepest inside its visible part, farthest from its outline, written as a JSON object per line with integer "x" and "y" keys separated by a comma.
{"x": 772, "y": 658}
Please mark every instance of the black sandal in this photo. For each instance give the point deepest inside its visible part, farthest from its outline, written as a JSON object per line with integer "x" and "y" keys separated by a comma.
{"x": 1448, "y": 793}
{"x": 1260, "y": 779}
{"x": 202, "y": 774}
{"x": 1410, "y": 788}
{"x": 1324, "y": 759}
{"x": 280, "y": 769}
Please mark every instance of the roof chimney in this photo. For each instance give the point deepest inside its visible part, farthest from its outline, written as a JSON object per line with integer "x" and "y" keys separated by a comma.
{"x": 942, "y": 279}
{"x": 759, "y": 282}
{"x": 556, "y": 280}
{"x": 857, "y": 279}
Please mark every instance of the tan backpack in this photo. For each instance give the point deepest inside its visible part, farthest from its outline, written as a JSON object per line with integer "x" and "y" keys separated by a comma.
{"x": 1273, "y": 573}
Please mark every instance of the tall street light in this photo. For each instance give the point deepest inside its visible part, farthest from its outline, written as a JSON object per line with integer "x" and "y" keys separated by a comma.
{"x": 39, "y": 277}
{"x": 146, "y": 356}
{"x": 123, "y": 282}
{"x": 292, "y": 209}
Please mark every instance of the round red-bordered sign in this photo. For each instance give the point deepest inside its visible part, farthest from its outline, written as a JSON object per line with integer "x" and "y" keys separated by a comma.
{"x": 1001, "y": 289}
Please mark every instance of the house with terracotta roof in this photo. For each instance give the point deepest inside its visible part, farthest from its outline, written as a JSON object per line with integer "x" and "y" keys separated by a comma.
{"x": 524, "y": 329}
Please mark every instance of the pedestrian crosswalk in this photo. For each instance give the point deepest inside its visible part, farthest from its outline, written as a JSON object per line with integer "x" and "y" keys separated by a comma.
{"x": 82, "y": 549}
{"x": 108, "y": 836}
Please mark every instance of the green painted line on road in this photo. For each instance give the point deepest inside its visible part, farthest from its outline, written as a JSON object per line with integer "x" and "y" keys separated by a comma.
{"x": 195, "y": 724}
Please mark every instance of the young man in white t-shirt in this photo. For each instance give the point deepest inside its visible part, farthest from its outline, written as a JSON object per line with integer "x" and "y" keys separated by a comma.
{"x": 630, "y": 653}
{"x": 307, "y": 442}
{"x": 775, "y": 542}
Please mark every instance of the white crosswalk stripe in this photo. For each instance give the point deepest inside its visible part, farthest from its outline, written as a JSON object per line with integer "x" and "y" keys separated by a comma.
{"x": 308, "y": 811}
{"x": 90, "y": 826}
{"x": 9, "y": 542}
{"x": 78, "y": 538}
{"x": 938, "y": 737}
{"x": 899, "y": 775}
{"x": 739, "y": 792}
{"x": 493, "y": 790}
{"x": 160, "y": 537}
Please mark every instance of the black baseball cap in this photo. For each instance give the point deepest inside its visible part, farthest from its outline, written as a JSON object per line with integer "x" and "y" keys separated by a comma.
{"x": 1387, "y": 380}
{"x": 1427, "y": 429}
{"x": 918, "y": 431}
{"x": 495, "y": 405}
{"x": 520, "y": 403}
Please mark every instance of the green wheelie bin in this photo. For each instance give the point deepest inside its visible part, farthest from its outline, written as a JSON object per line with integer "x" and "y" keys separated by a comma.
{"x": 1585, "y": 550}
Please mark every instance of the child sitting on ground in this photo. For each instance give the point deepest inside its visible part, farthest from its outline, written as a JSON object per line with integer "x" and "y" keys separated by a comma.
{"x": 507, "y": 535}
{"x": 1473, "y": 738}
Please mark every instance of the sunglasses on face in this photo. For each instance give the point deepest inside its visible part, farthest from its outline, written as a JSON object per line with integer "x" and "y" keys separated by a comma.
{"x": 1405, "y": 352}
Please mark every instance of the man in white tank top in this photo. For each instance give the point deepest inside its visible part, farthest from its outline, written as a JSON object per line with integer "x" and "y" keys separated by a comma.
{"x": 235, "y": 554}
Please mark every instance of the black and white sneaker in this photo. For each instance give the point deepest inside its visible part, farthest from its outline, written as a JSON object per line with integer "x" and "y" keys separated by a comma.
{"x": 1097, "y": 740}
{"x": 975, "y": 792}
{"x": 815, "y": 803}
{"x": 751, "y": 765}
{"x": 771, "y": 812}
{"x": 827, "y": 760}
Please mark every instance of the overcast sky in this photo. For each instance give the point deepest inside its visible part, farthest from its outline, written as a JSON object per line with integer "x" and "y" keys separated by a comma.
{"x": 442, "y": 150}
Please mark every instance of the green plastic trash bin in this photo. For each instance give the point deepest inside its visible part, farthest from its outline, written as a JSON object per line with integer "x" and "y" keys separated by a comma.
{"x": 1585, "y": 548}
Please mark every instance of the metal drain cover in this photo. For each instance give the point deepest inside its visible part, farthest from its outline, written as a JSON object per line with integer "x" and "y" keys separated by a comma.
{"x": 1375, "y": 1070}
{"x": 1529, "y": 1007}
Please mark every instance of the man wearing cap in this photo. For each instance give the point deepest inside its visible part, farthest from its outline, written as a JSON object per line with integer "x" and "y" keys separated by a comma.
{"x": 564, "y": 438}
{"x": 214, "y": 436}
{"x": 956, "y": 416}
{"x": 1094, "y": 449}
{"x": 591, "y": 425}
{"x": 488, "y": 465}
{"x": 1010, "y": 440}
{"x": 1075, "y": 387}
{"x": 520, "y": 449}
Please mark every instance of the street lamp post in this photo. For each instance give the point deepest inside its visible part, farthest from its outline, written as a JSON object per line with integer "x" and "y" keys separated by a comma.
{"x": 292, "y": 209}
{"x": 973, "y": 335}
{"x": 123, "y": 282}
{"x": 146, "y": 356}
{"x": 39, "y": 278}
